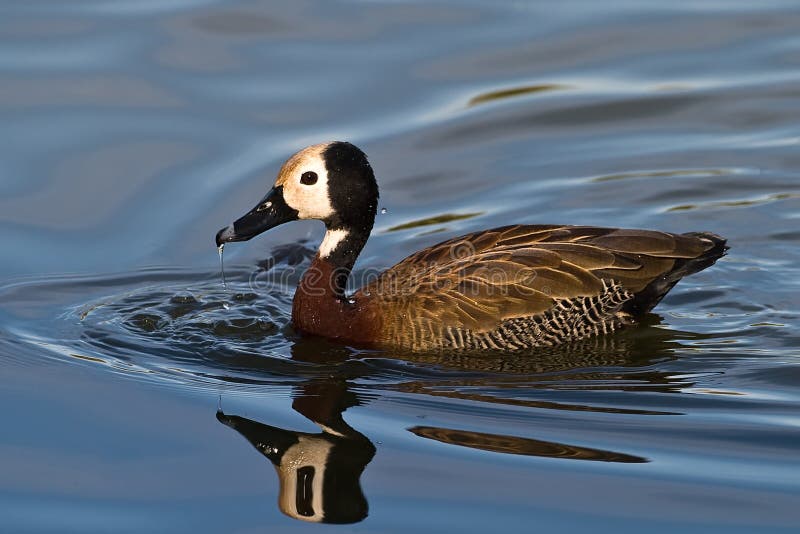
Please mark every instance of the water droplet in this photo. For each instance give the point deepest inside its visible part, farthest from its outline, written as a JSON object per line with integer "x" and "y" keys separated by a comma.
{"x": 351, "y": 300}
{"x": 222, "y": 266}
{"x": 384, "y": 211}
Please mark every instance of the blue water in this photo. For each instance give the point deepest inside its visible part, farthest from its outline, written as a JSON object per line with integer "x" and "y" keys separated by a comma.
{"x": 132, "y": 130}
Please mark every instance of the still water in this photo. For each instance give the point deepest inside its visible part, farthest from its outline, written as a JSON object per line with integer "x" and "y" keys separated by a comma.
{"x": 142, "y": 395}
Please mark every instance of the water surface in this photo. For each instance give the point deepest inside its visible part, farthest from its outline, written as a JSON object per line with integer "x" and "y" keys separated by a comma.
{"x": 143, "y": 395}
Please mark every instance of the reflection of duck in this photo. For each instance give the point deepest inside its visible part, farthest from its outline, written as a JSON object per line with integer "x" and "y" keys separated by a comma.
{"x": 508, "y": 288}
{"x": 522, "y": 446}
{"x": 625, "y": 361}
{"x": 319, "y": 474}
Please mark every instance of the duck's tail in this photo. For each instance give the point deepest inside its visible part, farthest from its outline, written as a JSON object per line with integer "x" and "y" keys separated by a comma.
{"x": 646, "y": 299}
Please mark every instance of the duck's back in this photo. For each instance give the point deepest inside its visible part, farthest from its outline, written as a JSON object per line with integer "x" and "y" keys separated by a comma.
{"x": 520, "y": 287}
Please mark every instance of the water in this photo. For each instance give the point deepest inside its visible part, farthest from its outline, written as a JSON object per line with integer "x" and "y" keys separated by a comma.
{"x": 142, "y": 395}
{"x": 220, "y": 251}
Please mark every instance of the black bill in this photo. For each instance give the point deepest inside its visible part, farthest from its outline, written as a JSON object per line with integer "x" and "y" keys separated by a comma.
{"x": 270, "y": 212}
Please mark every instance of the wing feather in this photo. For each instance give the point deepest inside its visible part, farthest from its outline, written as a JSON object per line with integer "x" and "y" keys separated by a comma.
{"x": 478, "y": 280}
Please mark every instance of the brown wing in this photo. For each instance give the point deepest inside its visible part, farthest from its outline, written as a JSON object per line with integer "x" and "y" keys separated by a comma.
{"x": 479, "y": 280}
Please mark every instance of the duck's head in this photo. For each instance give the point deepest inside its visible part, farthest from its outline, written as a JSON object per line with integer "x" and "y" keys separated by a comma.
{"x": 332, "y": 182}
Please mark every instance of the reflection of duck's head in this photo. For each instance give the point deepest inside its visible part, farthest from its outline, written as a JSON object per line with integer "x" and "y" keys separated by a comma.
{"x": 319, "y": 474}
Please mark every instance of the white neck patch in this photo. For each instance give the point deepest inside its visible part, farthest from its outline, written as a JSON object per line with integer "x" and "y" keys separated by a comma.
{"x": 331, "y": 241}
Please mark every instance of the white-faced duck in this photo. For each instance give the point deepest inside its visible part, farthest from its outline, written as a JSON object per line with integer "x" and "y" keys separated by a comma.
{"x": 509, "y": 288}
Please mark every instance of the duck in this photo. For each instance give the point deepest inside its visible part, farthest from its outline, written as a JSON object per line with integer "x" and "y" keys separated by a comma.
{"x": 507, "y": 289}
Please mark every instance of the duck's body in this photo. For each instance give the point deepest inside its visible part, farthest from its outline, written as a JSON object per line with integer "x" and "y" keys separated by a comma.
{"x": 509, "y": 288}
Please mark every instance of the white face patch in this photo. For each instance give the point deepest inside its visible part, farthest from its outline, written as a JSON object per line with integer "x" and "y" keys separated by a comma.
{"x": 331, "y": 241}
{"x": 310, "y": 201}
{"x": 313, "y": 452}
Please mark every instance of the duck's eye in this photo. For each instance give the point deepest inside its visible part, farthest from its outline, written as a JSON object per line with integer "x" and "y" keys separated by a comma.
{"x": 308, "y": 178}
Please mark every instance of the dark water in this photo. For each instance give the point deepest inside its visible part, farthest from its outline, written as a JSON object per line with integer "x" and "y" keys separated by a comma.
{"x": 133, "y": 130}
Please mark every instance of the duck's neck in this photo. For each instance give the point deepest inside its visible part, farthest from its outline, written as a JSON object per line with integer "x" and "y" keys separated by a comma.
{"x": 320, "y": 305}
{"x": 334, "y": 261}
{"x": 325, "y": 281}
